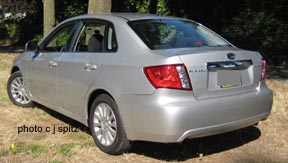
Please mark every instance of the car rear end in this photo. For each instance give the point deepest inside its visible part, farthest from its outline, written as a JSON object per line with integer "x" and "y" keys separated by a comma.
{"x": 212, "y": 88}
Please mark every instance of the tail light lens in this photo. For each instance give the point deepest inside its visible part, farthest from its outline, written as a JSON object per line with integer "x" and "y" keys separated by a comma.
{"x": 264, "y": 69}
{"x": 168, "y": 76}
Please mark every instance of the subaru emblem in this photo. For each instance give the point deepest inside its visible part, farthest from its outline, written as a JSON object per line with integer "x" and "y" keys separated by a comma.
{"x": 231, "y": 56}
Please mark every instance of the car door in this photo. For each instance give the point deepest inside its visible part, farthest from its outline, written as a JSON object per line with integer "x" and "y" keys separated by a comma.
{"x": 78, "y": 70}
{"x": 43, "y": 66}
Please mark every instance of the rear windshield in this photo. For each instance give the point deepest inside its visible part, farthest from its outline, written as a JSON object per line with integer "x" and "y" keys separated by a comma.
{"x": 167, "y": 34}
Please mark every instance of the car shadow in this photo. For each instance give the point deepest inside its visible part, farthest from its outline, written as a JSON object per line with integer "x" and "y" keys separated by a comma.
{"x": 64, "y": 118}
{"x": 188, "y": 149}
{"x": 197, "y": 147}
{"x": 11, "y": 48}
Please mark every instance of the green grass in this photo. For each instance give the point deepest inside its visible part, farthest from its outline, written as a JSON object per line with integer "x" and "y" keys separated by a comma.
{"x": 78, "y": 137}
{"x": 4, "y": 153}
{"x": 85, "y": 140}
{"x": 36, "y": 149}
{"x": 33, "y": 149}
{"x": 38, "y": 112}
{"x": 39, "y": 137}
{"x": 87, "y": 144}
{"x": 55, "y": 161}
{"x": 40, "y": 115}
{"x": 5, "y": 67}
{"x": 65, "y": 149}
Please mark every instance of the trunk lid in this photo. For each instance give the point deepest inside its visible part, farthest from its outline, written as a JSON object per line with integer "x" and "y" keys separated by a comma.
{"x": 215, "y": 72}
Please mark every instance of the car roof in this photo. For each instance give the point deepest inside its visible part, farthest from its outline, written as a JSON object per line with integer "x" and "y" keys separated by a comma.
{"x": 126, "y": 16}
{"x": 137, "y": 16}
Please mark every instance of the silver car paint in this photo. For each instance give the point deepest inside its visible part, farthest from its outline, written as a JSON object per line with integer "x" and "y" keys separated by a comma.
{"x": 40, "y": 72}
{"x": 162, "y": 115}
{"x": 169, "y": 114}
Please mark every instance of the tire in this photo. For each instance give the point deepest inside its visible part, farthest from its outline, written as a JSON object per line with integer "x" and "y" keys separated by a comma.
{"x": 16, "y": 90}
{"x": 107, "y": 127}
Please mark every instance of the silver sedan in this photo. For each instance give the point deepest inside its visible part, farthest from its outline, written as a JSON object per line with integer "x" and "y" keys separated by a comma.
{"x": 142, "y": 77}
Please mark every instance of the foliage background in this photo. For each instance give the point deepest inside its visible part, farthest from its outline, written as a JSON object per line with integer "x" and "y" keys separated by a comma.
{"x": 248, "y": 24}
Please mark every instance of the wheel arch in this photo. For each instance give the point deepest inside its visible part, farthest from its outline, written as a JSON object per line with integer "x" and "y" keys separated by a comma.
{"x": 93, "y": 95}
{"x": 15, "y": 69}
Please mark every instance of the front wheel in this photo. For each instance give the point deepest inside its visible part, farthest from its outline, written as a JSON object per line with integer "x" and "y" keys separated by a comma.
{"x": 16, "y": 90}
{"x": 107, "y": 127}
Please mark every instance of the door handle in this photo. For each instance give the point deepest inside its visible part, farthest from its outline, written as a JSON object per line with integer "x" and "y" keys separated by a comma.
{"x": 53, "y": 64}
{"x": 90, "y": 67}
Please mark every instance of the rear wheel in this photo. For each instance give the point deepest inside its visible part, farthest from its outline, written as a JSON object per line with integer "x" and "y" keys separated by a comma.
{"x": 107, "y": 127}
{"x": 16, "y": 90}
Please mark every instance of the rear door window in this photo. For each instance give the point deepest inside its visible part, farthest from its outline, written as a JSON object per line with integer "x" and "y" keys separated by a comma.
{"x": 96, "y": 37}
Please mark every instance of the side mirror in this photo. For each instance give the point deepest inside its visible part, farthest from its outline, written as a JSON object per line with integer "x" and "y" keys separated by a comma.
{"x": 31, "y": 45}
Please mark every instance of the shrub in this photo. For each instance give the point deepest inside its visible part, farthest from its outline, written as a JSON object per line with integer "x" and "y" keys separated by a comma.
{"x": 3, "y": 31}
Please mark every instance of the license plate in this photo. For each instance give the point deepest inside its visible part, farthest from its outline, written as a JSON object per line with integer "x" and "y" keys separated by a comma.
{"x": 229, "y": 78}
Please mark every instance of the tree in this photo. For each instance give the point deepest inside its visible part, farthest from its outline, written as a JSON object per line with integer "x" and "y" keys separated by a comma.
{"x": 48, "y": 15}
{"x": 99, "y": 6}
{"x": 262, "y": 26}
{"x": 19, "y": 6}
{"x": 141, "y": 6}
{"x": 69, "y": 8}
{"x": 23, "y": 23}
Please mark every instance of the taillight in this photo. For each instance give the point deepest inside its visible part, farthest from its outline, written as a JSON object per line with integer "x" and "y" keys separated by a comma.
{"x": 168, "y": 76}
{"x": 264, "y": 69}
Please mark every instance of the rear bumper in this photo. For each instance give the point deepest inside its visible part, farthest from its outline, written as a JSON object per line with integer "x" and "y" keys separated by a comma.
{"x": 173, "y": 115}
{"x": 221, "y": 128}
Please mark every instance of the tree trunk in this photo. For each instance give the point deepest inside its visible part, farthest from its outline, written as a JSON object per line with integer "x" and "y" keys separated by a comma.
{"x": 49, "y": 15}
{"x": 99, "y": 6}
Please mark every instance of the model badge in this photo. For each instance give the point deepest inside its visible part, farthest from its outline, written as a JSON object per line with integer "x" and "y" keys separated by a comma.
{"x": 231, "y": 56}
{"x": 197, "y": 70}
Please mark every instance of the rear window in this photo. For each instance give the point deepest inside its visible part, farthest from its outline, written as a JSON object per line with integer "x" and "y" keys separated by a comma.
{"x": 167, "y": 34}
